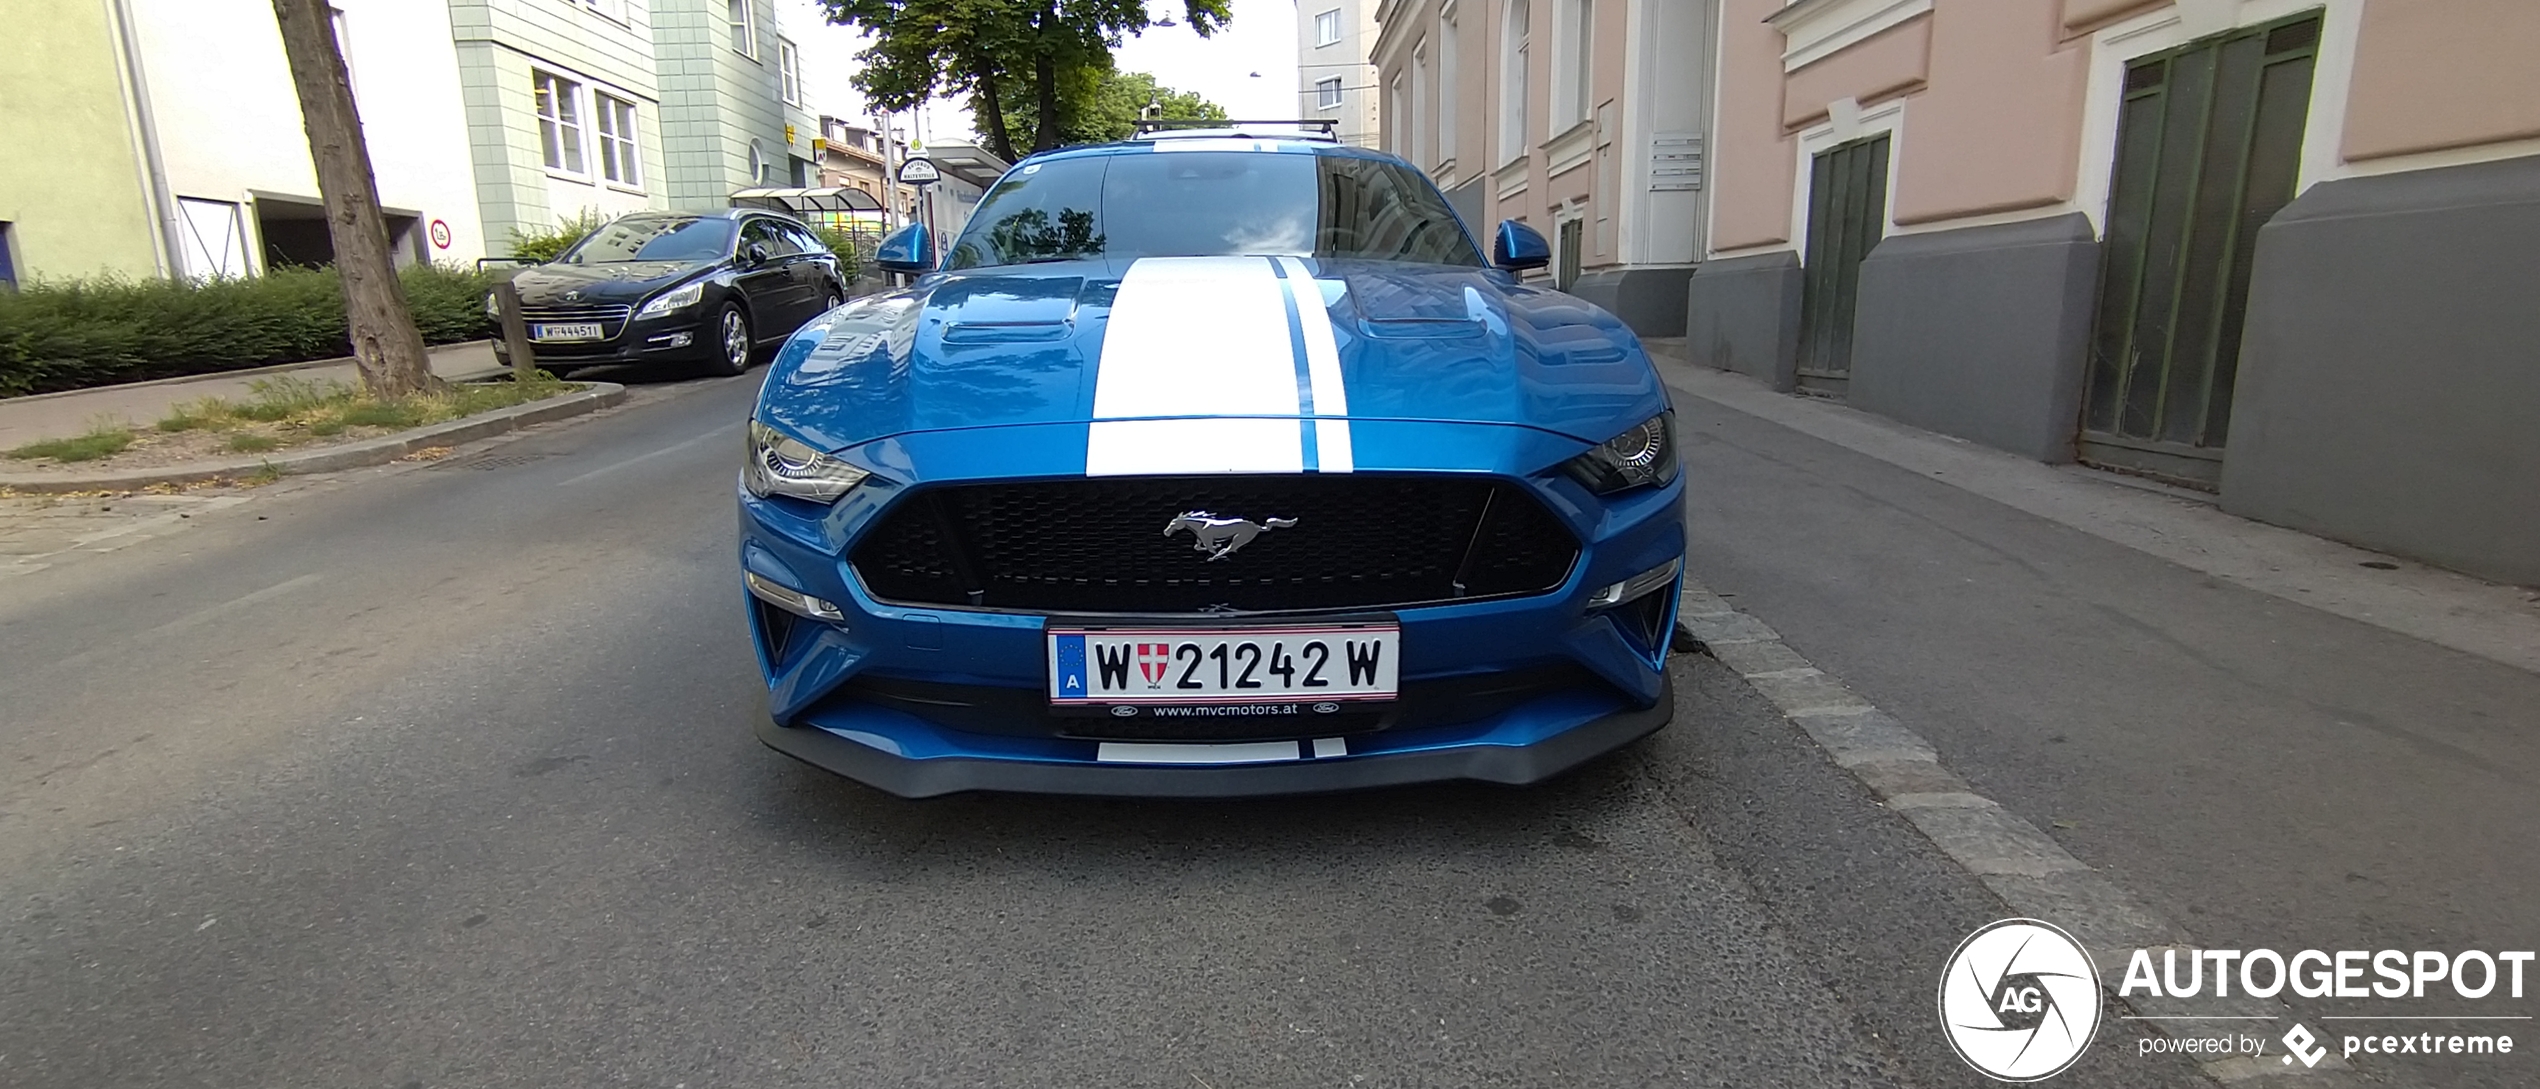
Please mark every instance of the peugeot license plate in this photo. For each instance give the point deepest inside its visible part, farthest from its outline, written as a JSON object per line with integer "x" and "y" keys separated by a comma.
{"x": 579, "y": 330}
{"x": 1302, "y": 666}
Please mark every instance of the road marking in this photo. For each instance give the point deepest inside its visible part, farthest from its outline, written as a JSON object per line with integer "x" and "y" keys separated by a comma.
{"x": 2027, "y": 868}
{"x": 617, "y": 465}
{"x": 241, "y": 601}
{"x": 200, "y": 616}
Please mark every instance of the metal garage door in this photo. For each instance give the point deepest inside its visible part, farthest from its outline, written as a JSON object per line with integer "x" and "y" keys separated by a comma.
{"x": 1847, "y": 214}
{"x": 2209, "y": 144}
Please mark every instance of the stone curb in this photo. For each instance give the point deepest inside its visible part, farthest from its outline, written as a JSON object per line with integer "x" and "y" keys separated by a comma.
{"x": 2032, "y": 873}
{"x": 351, "y": 455}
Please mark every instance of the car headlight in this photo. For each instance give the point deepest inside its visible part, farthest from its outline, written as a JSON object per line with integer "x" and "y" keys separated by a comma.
{"x": 493, "y": 309}
{"x": 783, "y": 465}
{"x": 677, "y": 298}
{"x": 1645, "y": 454}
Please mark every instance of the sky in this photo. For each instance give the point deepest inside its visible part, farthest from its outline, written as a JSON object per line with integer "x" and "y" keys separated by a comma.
{"x": 1261, "y": 38}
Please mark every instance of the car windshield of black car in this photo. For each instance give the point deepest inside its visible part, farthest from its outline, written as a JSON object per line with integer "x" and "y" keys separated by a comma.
{"x": 654, "y": 238}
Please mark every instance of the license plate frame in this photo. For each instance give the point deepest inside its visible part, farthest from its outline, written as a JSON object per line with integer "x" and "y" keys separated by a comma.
{"x": 1117, "y": 666}
{"x": 562, "y": 331}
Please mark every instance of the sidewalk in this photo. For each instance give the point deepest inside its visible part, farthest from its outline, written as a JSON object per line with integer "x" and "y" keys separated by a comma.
{"x": 2500, "y": 623}
{"x": 140, "y": 404}
{"x": 2259, "y": 738}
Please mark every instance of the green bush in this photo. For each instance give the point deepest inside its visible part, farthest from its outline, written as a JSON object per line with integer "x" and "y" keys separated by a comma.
{"x": 544, "y": 243}
{"x": 850, "y": 253}
{"x": 58, "y": 335}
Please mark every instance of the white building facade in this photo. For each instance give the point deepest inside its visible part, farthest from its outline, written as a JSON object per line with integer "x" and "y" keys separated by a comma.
{"x": 238, "y": 193}
{"x": 1335, "y": 82}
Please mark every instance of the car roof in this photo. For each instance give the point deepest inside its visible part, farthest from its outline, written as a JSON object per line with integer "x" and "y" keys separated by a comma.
{"x": 1209, "y": 140}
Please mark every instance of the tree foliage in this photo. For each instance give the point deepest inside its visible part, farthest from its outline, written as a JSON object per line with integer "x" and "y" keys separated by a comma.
{"x": 1102, "y": 105}
{"x": 1031, "y": 54}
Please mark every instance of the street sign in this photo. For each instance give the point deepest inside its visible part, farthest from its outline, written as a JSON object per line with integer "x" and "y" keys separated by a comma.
{"x": 919, "y": 172}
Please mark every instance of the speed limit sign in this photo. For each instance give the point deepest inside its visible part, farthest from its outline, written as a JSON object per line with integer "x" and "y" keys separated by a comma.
{"x": 440, "y": 234}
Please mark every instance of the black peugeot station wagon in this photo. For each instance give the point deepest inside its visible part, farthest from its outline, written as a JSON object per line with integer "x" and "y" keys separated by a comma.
{"x": 706, "y": 288}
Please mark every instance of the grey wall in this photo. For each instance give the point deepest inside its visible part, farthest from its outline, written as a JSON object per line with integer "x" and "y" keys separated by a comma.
{"x": 1650, "y": 300}
{"x": 1742, "y": 315}
{"x": 2389, "y": 387}
{"x": 1979, "y": 332}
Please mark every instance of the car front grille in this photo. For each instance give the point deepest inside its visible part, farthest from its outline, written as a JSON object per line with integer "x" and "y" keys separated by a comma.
{"x": 1361, "y": 541}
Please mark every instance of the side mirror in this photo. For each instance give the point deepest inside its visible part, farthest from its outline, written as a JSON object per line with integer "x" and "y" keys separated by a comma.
{"x": 906, "y": 250}
{"x": 1515, "y": 246}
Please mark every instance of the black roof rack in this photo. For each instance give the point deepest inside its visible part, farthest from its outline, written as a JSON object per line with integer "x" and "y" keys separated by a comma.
{"x": 1324, "y": 128}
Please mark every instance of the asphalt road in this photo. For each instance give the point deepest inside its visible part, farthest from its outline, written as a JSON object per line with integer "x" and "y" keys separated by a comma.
{"x": 443, "y": 776}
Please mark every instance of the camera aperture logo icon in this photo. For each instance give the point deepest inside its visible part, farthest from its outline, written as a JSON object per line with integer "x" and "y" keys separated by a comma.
{"x": 2019, "y": 1000}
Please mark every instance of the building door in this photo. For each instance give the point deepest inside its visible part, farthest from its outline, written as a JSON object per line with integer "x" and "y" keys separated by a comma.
{"x": 2209, "y": 144}
{"x": 1847, "y": 214}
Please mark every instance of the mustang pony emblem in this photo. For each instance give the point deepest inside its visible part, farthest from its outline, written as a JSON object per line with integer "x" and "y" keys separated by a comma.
{"x": 1220, "y": 537}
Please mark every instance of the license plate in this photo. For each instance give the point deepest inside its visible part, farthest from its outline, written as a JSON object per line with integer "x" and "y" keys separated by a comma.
{"x": 1301, "y": 665}
{"x": 580, "y": 330}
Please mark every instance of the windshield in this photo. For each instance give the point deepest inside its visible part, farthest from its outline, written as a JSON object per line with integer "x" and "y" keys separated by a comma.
{"x": 653, "y": 238}
{"x": 1168, "y": 203}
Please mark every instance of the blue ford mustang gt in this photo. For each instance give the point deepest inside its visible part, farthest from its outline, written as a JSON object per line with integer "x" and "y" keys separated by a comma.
{"x": 1211, "y": 464}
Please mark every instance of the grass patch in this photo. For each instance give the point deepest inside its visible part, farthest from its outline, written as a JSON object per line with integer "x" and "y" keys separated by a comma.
{"x": 399, "y": 414}
{"x": 102, "y": 440}
{"x": 284, "y": 411}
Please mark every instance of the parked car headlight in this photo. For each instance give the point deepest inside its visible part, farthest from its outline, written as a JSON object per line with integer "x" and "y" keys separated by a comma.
{"x": 677, "y": 298}
{"x": 783, "y": 465}
{"x": 493, "y": 307}
{"x": 1644, "y": 454}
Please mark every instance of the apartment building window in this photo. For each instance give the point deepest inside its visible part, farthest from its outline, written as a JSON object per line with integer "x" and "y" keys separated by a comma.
{"x": 789, "y": 67}
{"x": 1327, "y": 93}
{"x": 618, "y": 160}
{"x": 559, "y": 121}
{"x": 8, "y": 269}
{"x": 1396, "y": 140}
{"x": 1423, "y": 106}
{"x": 1327, "y": 28}
{"x": 1512, "y": 82}
{"x": 1577, "y": 93}
{"x": 1447, "y": 89}
{"x": 611, "y": 9}
{"x": 744, "y": 29}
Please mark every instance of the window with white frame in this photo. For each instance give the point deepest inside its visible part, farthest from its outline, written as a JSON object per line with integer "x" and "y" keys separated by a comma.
{"x": 744, "y": 28}
{"x": 1422, "y": 105}
{"x": 559, "y": 120}
{"x": 789, "y": 68}
{"x": 615, "y": 118}
{"x": 613, "y": 9}
{"x": 1327, "y": 93}
{"x": 1446, "y": 88}
{"x": 1389, "y": 117}
{"x": 1576, "y": 93}
{"x": 1327, "y": 28}
{"x": 1512, "y": 81}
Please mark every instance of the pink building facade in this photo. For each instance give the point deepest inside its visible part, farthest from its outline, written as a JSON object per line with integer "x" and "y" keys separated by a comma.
{"x": 1585, "y": 119}
{"x": 2280, "y": 250}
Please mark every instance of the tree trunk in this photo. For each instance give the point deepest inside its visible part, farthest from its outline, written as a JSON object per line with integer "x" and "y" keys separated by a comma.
{"x": 1045, "y": 78}
{"x": 983, "y": 75}
{"x": 386, "y": 347}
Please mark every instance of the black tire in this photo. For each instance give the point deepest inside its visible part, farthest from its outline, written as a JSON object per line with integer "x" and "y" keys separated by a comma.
{"x": 734, "y": 344}
{"x": 834, "y": 301}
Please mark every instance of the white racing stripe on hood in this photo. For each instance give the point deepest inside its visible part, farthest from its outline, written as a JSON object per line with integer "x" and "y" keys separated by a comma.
{"x": 1322, "y": 370}
{"x": 1196, "y": 337}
